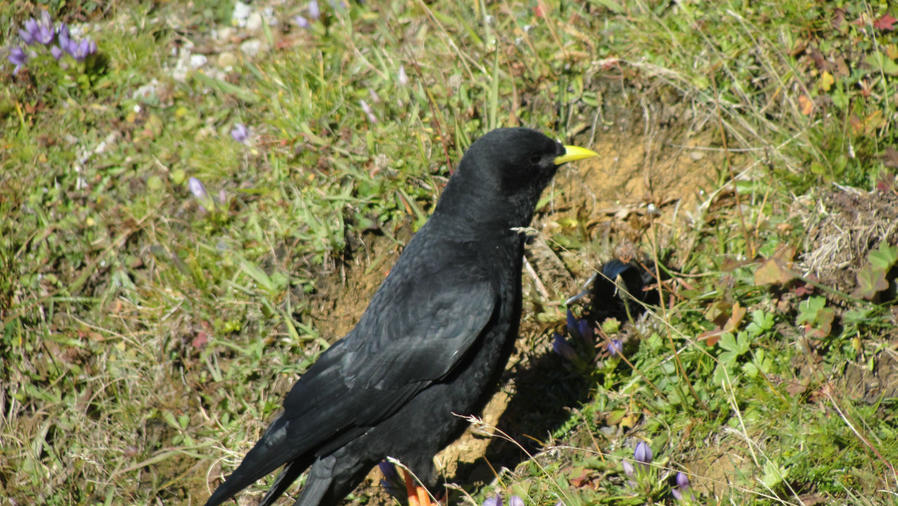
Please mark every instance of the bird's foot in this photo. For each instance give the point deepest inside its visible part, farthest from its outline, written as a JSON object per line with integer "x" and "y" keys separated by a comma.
{"x": 417, "y": 495}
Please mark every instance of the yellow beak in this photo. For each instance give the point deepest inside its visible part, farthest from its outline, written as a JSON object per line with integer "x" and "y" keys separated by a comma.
{"x": 572, "y": 153}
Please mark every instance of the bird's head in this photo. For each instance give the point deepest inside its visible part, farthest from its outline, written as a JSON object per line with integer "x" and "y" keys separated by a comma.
{"x": 504, "y": 172}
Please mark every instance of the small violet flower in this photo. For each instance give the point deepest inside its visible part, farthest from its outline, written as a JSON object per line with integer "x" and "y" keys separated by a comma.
{"x": 56, "y": 52}
{"x": 240, "y": 133}
{"x": 388, "y": 470}
{"x": 402, "y": 77}
{"x": 585, "y": 330}
{"x": 44, "y": 31}
{"x": 197, "y": 189}
{"x": 561, "y": 347}
{"x": 615, "y": 347}
{"x": 301, "y": 21}
{"x": 367, "y": 109}
{"x": 643, "y": 453}
{"x": 629, "y": 470}
{"x": 391, "y": 482}
{"x": 63, "y": 37}
{"x": 571, "y": 322}
{"x": 81, "y": 50}
{"x": 17, "y": 57}
{"x": 496, "y": 500}
{"x": 27, "y": 33}
{"x": 38, "y": 31}
{"x": 682, "y": 487}
{"x": 314, "y": 11}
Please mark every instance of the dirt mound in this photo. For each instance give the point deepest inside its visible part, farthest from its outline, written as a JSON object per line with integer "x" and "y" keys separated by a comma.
{"x": 844, "y": 225}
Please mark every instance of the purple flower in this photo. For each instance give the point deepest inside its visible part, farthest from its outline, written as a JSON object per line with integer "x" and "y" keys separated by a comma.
{"x": 56, "y": 52}
{"x": 615, "y": 347}
{"x": 367, "y": 109}
{"x": 584, "y": 329}
{"x": 391, "y": 480}
{"x": 571, "y": 322}
{"x": 628, "y": 468}
{"x": 561, "y": 347}
{"x": 63, "y": 37}
{"x": 240, "y": 133}
{"x": 44, "y": 33}
{"x": 197, "y": 189}
{"x": 388, "y": 470}
{"x": 38, "y": 31}
{"x": 682, "y": 486}
{"x": 515, "y": 501}
{"x": 26, "y": 33}
{"x": 17, "y": 57}
{"x": 496, "y": 500}
{"x": 642, "y": 453}
{"x": 301, "y": 21}
{"x": 314, "y": 12}
{"x": 81, "y": 50}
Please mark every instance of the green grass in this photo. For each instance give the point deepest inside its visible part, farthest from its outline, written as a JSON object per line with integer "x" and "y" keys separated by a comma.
{"x": 147, "y": 340}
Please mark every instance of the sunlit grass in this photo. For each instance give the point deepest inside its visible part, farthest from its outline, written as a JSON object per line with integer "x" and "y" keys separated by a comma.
{"x": 148, "y": 337}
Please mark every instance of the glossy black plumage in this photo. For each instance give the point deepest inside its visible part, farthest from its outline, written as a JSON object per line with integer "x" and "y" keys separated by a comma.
{"x": 432, "y": 342}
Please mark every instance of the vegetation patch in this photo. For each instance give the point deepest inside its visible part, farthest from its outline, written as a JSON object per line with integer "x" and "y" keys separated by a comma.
{"x": 200, "y": 198}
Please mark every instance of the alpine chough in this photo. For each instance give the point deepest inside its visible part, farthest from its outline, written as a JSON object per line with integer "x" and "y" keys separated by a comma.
{"x": 432, "y": 342}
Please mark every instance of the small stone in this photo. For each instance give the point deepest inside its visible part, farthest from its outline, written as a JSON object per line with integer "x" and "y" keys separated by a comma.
{"x": 224, "y": 34}
{"x": 251, "y": 47}
{"x": 227, "y": 59}
{"x": 240, "y": 13}
{"x": 254, "y": 22}
{"x": 197, "y": 60}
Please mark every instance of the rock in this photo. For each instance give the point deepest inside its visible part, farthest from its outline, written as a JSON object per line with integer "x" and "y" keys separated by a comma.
{"x": 251, "y": 47}
{"x": 240, "y": 14}
{"x": 254, "y": 22}
{"x": 227, "y": 59}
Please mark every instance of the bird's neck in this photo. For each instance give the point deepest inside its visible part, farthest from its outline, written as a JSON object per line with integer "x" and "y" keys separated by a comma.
{"x": 482, "y": 208}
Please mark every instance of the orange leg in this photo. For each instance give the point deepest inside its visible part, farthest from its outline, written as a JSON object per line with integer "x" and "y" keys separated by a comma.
{"x": 417, "y": 495}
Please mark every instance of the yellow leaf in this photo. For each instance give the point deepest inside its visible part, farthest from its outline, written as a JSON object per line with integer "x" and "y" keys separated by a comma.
{"x": 826, "y": 81}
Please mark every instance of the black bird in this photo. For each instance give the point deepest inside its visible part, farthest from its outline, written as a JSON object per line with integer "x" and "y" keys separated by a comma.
{"x": 432, "y": 342}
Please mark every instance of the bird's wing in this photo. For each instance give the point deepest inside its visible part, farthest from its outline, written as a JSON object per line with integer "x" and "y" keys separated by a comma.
{"x": 418, "y": 327}
{"x": 398, "y": 348}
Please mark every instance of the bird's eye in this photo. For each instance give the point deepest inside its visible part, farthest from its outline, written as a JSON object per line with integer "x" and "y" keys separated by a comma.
{"x": 534, "y": 159}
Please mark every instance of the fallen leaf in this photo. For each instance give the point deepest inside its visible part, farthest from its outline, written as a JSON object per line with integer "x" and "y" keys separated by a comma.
{"x": 806, "y": 105}
{"x": 201, "y": 339}
{"x": 735, "y": 318}
{"x": 804, "y": 289}
{"x": 795, "y": 388}
{"x": 710, "y": 337}
{"x": 826, "y": 81}
{"x": 884, "y": 22}
{"x": 774, "y": 271}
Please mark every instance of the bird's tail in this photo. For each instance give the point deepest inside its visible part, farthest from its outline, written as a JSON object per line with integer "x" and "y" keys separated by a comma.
{"x": 270, "y": 452}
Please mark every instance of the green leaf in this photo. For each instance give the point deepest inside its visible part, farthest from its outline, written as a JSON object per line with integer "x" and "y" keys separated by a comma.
{"x": 773, "y": 474}
{"x": 884, "y": 257}
{"x": 880, "y": 61}
{"x": 870, "y": 281}
{"x": 809, "y": 309}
